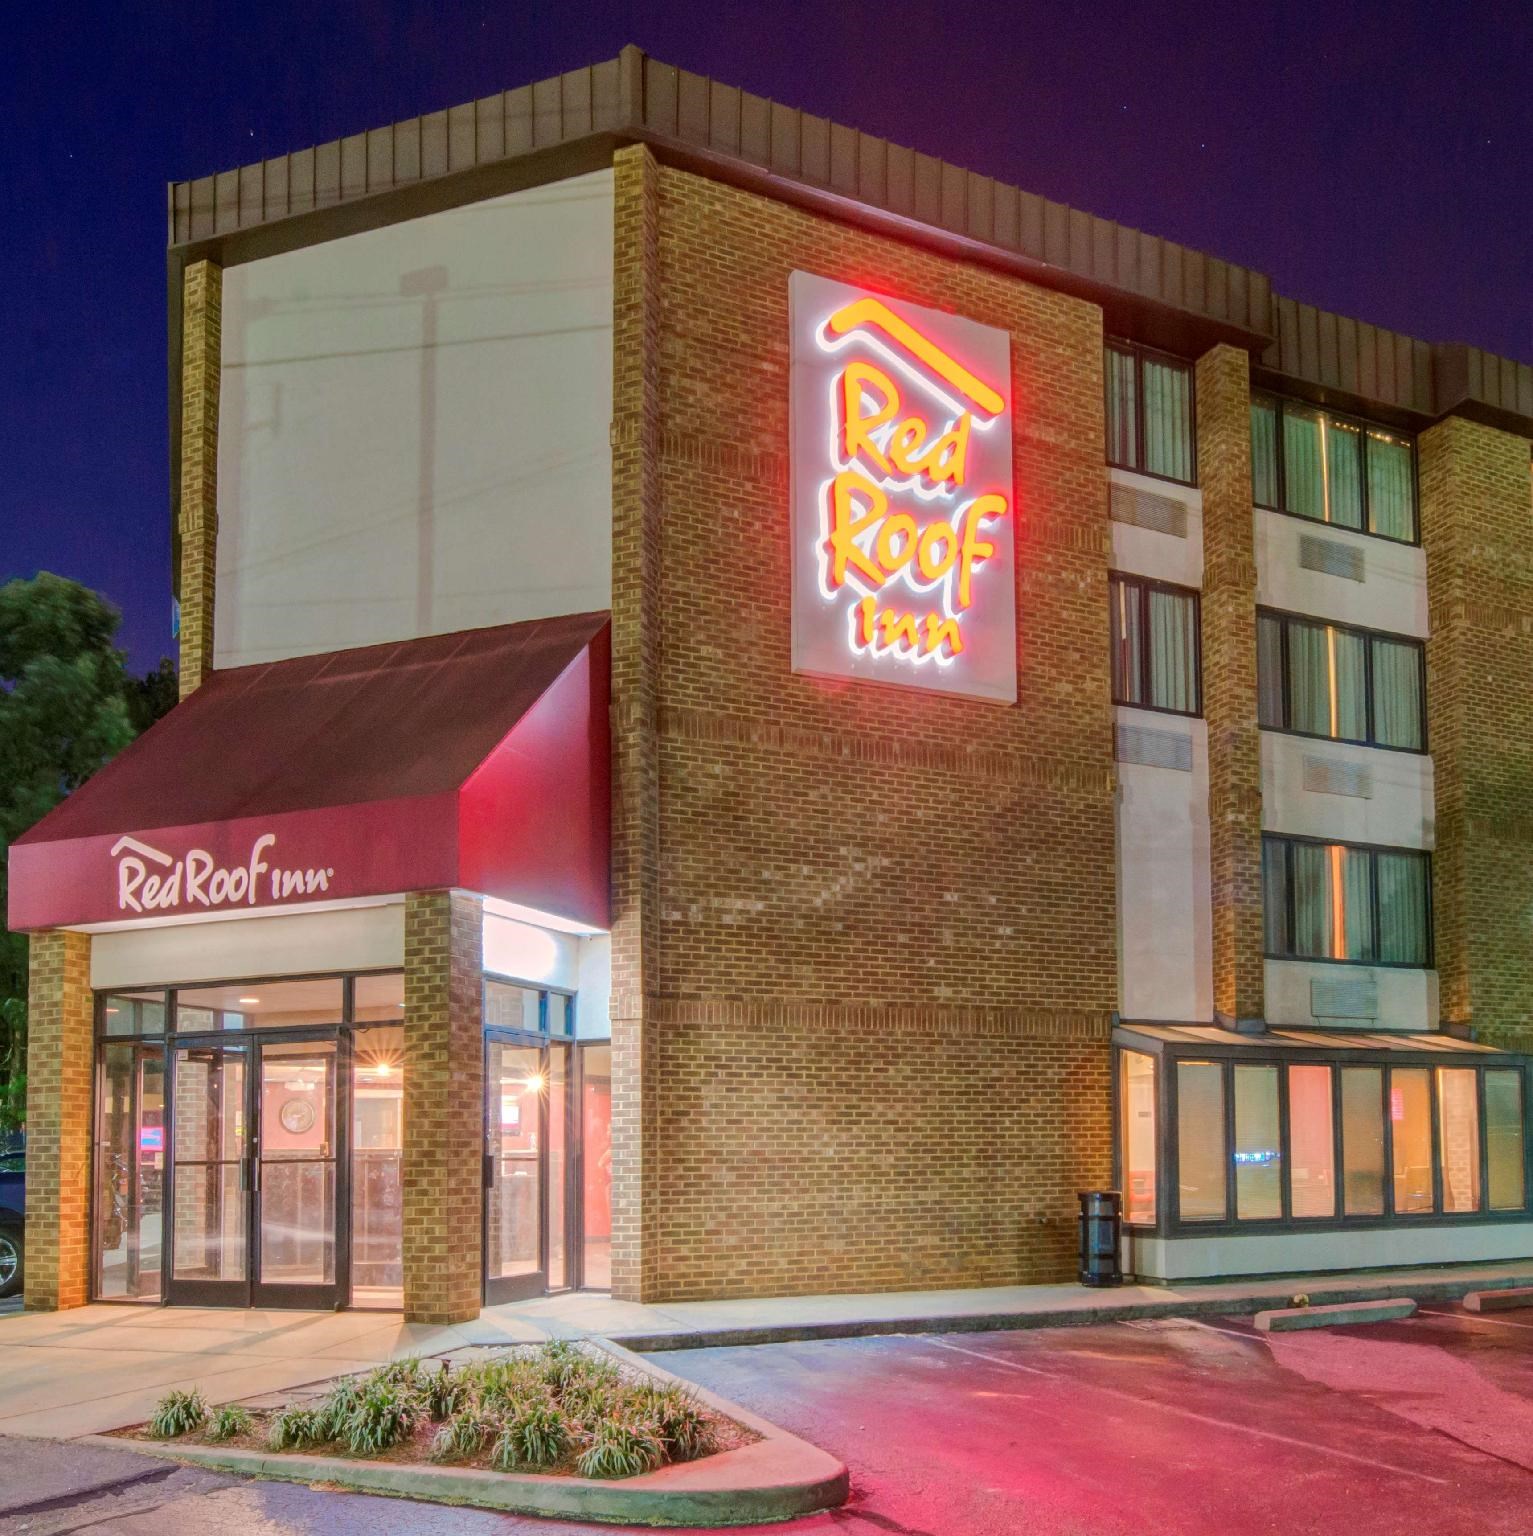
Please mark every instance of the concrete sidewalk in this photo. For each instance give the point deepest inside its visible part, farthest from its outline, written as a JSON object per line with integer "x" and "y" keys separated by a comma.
{"x": 97, "y": 1368}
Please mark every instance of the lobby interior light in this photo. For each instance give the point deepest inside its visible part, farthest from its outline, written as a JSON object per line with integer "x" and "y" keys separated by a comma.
{"x": 250, "y": 1001}
{"x": 535, "y": 1083}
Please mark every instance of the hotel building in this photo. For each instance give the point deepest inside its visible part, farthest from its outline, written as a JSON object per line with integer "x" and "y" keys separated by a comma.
{"x": 759, "y": 709}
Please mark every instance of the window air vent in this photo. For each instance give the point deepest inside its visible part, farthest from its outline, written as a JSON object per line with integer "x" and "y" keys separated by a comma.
{"x": 1351, "y": 997}
{"x": 1331, "y": 557}
{"x": 1154, "y": 749}
{"x": 1326, "y": 776}
{"x": 1144, "y": 509}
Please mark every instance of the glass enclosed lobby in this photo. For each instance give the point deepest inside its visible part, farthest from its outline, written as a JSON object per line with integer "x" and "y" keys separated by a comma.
{"x": 249, "y": 1144}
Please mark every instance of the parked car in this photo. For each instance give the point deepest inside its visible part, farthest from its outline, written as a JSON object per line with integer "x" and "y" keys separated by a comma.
{"x": 13, "y": 1198}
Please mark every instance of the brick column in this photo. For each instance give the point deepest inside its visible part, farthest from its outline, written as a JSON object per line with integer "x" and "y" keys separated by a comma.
{"x": 635, "y": 673}
{"x": 59, "y": 1047}
{"x": 1229, "y": 680}
{"x": 1475, "y": 521}
{"x": 201, "y": 321}
{"x": 443, "y": 1108}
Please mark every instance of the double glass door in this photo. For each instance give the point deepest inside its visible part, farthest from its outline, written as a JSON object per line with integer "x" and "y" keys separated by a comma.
{"x": 258, "y": 1176}
{"x": 528, "y": 1210}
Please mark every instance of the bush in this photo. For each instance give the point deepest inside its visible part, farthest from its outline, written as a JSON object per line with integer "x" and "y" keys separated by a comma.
{"x": 466, "y": 1433}
{"x": 621, "y": 1448}
{"x": 510, "y": 1382}
{"x": 177, "y": 1413}
{"x": 229, "y": 1422}
{"x": 537, "y": 1436}
{"x": 385, "y": 1413}
{"x": 335, "y": 1408}
{"x": 297, "y": 1429}
{"x": 683, "y": 1425}
{"x": 446, "y": 1392}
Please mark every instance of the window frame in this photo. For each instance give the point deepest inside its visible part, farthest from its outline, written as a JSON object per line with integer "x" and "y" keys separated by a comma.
{"x": 1287, "y": 617}
{"x": 1288, "y": 840}
{"x": 1167, "y": 1057}
{"x": 1144, "y": 586}
{"x": 1139, "y": 353}
{"x": 1280, "y": 403}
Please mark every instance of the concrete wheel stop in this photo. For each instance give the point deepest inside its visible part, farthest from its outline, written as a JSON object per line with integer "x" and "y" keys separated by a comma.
{"x": 777, "y": 1477}
{"x": 1342, "y": 1314}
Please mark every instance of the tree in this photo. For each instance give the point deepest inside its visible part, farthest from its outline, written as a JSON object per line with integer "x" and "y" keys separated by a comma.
{"x": 66, "y": 707}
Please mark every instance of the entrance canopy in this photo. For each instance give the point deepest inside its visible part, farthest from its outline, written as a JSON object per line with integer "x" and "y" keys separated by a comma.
{"x": 476, "y": 760}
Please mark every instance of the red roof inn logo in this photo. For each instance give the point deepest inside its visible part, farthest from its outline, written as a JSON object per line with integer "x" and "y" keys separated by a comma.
{"x": 151, "y": 880}
{"x": 903, "y": 557}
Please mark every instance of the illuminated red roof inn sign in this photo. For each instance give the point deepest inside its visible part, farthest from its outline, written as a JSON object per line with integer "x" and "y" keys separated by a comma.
{"x": 903, "y": 538}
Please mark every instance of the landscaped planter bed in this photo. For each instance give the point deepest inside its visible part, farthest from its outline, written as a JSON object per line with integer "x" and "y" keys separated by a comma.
{"x": 562, "y": 1410}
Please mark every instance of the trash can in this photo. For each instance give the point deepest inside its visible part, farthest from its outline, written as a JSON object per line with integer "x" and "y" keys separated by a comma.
{"x": 1101, "y": 1224}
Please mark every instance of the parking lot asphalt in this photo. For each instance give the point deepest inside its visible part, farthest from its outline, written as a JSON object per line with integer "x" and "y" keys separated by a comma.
{"x": 1424, "y": 1426}
{"x": 1182, "y": 1427}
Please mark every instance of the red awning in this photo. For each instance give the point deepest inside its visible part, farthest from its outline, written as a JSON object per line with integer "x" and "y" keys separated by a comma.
{"x": 476, "y": 760}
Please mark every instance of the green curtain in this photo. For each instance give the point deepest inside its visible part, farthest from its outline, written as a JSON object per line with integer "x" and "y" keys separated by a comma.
{"x": 1167, "y": 420}
{"x": 1269, "y": 672}
{"x": 1402, "y": 881}
{"x": 1327, "y": 673}
{"x": 1391, "y": 504}
{"x": 1311, "y": 867}
{"x": 1127, "y": 644}
{"x": 1304, "y": 475}
{"x": 1121, "y": 408}
{"x": 1264, "y": 475}
{"x": 1397, "y": 694}
{"x": 1275, "y": 897}
{"x": 1356, "y": 905}
{"x": 1173, "y": 651}
{"x": 1344, "y": 467}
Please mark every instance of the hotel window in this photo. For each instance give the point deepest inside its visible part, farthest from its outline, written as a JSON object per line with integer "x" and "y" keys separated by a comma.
{"x": 1332, "y": 469}
{"x": 1283, "y": 1131}
{"x": 1346, "y": 684}
{"x": 1155, "y": 646}
{"x": 1343, "y": 902}
{"x": 1149, "y": 413}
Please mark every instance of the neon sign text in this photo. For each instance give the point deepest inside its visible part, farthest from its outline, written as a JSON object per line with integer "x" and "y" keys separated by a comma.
{"x": 902, "y": 494}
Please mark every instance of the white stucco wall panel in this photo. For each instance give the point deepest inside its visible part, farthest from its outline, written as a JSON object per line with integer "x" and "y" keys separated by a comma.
{"x": 1165, "y": 919}
{"x": 1391, "y": 596}
{"x": 1405, "y": 998}
{"x": 414, "y": 428}
{"x": 1391, "y": 798}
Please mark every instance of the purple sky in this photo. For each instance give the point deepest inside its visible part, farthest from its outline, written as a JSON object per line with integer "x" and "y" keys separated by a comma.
{"x": 1373, "y": 159}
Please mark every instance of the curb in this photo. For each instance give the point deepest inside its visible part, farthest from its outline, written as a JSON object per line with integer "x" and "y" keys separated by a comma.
{"x": 777, "y": 1478}
{"x": 1343, "y": 1314}
{"x": 993, "y": 1322}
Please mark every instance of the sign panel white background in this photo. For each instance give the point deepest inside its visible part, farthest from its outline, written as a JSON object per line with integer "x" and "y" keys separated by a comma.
{"x": 825, "y": 623}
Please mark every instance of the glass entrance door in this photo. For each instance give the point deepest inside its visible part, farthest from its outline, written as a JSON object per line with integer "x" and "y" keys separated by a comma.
{"x": 295, "y": 1175}
{"x": 514, "y": 1121}
{"x": 210, "y": 1176}
{"x": 257, "y": 1179}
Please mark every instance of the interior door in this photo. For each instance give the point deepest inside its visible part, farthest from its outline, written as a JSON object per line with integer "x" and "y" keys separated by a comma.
{"x": 297, "y": 1175}
{"x": 515, "y": 1112}
{"x": 211, "y": 1175}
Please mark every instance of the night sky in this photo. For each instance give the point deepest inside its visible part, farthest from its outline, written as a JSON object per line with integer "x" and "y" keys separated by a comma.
{"x": 1372, "y": 159}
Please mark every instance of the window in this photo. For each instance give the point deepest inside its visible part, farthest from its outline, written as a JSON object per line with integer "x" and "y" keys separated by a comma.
{"x": 1136, "y": 1105}
{"x": 1258, "y": 1145}
{"x": 1362, "y": 1140}
{"x": 1422, "y": 1131}
{"x": 532, "y": 1010}
{"x": 260, "y": 1005}
{"x": 1313, "y": 1171}
{"x": 1155, "y": 646}
{"x": 1339, "y": 901}
{"x": 1200, "y": 1140}
{"x": 1332, "y": 469}
{"x": 1328, "y": 680}
{"x": 1503, "y": 1139}
{"x": 1149, "y": 413}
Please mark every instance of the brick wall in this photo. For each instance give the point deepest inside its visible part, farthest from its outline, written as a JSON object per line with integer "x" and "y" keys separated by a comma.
{"x": 1476, "y": 520}
{"x": 443, "y": 1108}
{"x": 864, "y": 1041}
{"x": 1229, "y": 681}
{"x": 59, "y": 1056}
{"x": 201, "y": 352}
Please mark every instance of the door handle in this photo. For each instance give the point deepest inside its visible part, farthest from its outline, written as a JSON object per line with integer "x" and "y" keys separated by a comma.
{"x": 489, "y": 1170}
